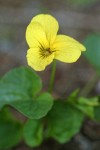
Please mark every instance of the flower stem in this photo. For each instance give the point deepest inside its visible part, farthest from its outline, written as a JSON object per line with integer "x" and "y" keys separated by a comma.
{"x": 52, "y": 77}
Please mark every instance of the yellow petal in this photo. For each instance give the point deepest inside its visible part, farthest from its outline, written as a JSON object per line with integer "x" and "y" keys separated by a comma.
{"x": 35, "y": 36}
{"x": 36, "y": 60}
{"x": 67, "y": 49}
{"x": 49, "y": 24}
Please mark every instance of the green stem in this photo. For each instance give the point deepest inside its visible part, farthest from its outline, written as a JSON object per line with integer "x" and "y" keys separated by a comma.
{"x": 89, "y": 86}
{"x": 52, "y": 77}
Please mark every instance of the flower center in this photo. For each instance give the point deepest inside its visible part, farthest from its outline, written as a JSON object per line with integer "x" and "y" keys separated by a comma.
{"x": 46, "y": 52}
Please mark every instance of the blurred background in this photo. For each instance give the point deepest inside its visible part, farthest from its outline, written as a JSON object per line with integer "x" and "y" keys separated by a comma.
{"x": 78, "y": 19}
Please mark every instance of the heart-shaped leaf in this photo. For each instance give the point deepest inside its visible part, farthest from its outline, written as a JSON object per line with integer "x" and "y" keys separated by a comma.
{"x": 19, "y": 89}
{"x": 35, "y": 108}
{"x": 19, "y": 84}
{"x": 33, "y": 132}
{"x": 64, "y": 121}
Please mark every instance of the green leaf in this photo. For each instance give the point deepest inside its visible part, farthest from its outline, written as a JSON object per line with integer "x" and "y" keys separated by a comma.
{"x": 64, "y": 121}
{"x": 19, "y": 88}
{"x": 18, "y": 85}
{"x": 94, "y": 101}
{"x": 36, "y": 108}
{"x": 33, "y": 133}
{"x": 97, "y": 112}
{"x": 92, "y": 43}
{"x": 86, "y": 105}
{"x": 73, "y": 96}
{"x": 86, "y": 109}
{"x": 10, "y": 130}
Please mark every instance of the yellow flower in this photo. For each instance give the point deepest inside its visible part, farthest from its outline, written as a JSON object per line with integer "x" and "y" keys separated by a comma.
{"x": 45, "y": 45}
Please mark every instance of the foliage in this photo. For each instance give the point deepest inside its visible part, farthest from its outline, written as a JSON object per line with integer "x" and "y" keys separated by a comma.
{"x": 33, "y": 132}
{"x": 19, "y": 88}
{"x": 10, "y": 130}
{"x": 64, "y": 121}
{"x": 92, "y": 42}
